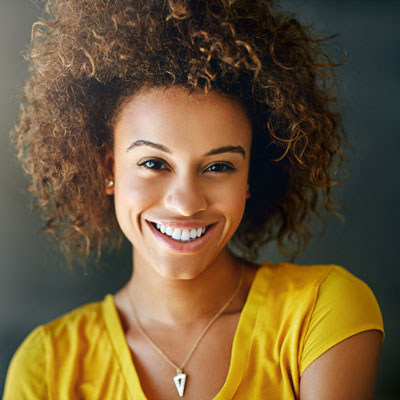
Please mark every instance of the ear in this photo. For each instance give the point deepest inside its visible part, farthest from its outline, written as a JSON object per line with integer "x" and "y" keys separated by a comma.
{"x": 109, "y": 168}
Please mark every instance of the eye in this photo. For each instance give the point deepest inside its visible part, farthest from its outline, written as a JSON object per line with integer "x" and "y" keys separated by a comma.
{"x": 153, "y": 163}
{"x": 221, "y": 167}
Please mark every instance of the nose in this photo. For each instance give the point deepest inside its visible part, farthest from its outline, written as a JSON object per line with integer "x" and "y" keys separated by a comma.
{"x": 185, "y": 196}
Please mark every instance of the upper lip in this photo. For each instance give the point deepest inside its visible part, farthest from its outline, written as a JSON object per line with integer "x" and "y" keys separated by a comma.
{"x": 182, "y": 224}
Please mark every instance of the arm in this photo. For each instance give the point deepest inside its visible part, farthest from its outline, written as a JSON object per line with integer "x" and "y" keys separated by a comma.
{"x": 347, "y": 371}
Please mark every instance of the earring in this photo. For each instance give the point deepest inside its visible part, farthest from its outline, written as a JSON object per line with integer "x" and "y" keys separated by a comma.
{"x": 248, "y": 191}
{"x": 110, "y": 183}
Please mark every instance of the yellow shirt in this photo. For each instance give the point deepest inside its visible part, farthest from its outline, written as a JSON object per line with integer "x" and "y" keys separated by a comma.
{"x": 292, "y": 315}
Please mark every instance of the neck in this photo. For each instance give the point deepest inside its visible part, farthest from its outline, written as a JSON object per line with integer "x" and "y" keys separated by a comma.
{"x": 183, "y": 301}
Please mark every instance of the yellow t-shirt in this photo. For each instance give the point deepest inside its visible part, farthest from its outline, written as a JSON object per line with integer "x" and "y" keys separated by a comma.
{"x": 292, "y": 315}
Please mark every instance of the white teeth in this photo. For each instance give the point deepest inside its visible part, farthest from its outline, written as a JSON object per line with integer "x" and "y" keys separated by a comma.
{"x": 183, "y": 235}
{"x": 176, "y": 234}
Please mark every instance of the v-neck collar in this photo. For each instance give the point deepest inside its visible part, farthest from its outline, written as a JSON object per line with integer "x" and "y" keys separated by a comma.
{"x": 240, "y": 348}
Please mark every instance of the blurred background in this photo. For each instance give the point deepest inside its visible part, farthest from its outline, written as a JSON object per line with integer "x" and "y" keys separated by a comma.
{"x": 35, "y": 283}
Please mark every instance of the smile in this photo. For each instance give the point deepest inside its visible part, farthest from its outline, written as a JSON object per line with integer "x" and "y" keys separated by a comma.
{"x": 181, "y": 235}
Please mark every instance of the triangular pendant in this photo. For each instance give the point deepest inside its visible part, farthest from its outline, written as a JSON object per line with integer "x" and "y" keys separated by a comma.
{"x": 180, "y": 381}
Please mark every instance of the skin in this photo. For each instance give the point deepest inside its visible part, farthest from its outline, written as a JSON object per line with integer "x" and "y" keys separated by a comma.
{"x": 176, "y": 294}
{"x": 347, "y": 371}
{"x": 167, "y": 170}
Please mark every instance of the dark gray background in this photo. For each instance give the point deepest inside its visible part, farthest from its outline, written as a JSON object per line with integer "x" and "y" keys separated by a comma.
{"x": 35, "y": 285}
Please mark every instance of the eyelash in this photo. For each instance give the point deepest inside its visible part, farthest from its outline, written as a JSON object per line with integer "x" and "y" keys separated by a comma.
{"x": 226, "y": 167}
{"x": 154, "y": 161}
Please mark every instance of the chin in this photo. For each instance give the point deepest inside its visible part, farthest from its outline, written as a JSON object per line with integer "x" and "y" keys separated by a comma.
{"x": 179, "y": 269}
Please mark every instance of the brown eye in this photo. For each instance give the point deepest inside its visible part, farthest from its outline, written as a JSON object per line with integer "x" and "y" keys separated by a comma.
{"x": 220, "y": 167}
{"x": 154, "y": 164}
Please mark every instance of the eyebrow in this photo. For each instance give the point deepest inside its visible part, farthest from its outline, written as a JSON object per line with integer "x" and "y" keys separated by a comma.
{"x": 218, "y": 150}
{"x": 227, "y": 149}
{"x": 139, "y": 143}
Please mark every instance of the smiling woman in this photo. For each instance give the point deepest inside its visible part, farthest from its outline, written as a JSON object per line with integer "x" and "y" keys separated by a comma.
{"x": 181, "y": 161}
{"x": 187, "y": 126}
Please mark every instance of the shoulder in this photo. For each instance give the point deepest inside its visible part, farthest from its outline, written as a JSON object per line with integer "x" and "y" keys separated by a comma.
{"x": 319, "y": 305}
{"x": 339, "y": 306}
{"x": 28, "y": 365}
{"x": 285, "y": 295}
{"x": 344, "y": 295}
{"x": 33, "y": 362}
{"x": 302, "y": 311}
{"x": 341, "y": 347}
{"x": 293, "y": 280}
{"x": 326, "y": 285}
{"x": 294, "y": 276}
{"x": 80, "y": 321}
{"x": 76, "y": 322}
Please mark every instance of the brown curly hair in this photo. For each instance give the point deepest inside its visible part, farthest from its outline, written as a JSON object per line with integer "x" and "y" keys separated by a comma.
{"x": 87, "y": 57}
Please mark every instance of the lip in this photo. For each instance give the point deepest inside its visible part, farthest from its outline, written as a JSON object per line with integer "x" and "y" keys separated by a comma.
{"x": 183, "y": 247}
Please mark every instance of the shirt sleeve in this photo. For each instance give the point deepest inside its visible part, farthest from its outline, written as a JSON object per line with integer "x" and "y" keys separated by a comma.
{"x": 26, "y": 376}
{"x": 345, "y": 306}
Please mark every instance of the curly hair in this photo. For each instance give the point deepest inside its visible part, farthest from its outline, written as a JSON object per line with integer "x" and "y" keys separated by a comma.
{"x": 87, "y": 57}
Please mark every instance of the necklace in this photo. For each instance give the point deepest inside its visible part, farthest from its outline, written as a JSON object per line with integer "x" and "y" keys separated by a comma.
{"x": 180, "y": 377}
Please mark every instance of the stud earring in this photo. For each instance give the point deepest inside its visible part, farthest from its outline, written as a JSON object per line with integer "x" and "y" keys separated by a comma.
{"x": 110, "y": 183}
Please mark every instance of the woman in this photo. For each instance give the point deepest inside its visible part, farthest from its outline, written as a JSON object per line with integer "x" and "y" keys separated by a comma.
{"x": 185, "y": 126}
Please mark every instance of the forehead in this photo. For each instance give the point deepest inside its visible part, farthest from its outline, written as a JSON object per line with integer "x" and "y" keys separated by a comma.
{"x": 177, "y": 118}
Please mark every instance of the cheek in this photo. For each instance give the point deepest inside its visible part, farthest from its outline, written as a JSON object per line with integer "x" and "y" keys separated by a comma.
{"x": 132, "y": 196}
{"x": 232, "y": 204}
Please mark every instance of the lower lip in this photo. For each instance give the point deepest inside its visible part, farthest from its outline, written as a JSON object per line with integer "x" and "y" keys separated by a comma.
{"x": 183, "y": 247}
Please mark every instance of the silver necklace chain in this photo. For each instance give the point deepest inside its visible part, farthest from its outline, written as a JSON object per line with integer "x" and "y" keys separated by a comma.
{"x": 178, "y": 368}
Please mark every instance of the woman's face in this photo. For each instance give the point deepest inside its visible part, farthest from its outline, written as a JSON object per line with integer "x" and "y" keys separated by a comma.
{"x": 180, "y": 167}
